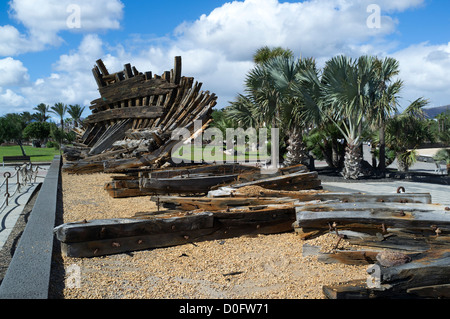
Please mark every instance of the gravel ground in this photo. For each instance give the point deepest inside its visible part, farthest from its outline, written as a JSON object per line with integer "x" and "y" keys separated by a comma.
{"x": 261, "y": 267}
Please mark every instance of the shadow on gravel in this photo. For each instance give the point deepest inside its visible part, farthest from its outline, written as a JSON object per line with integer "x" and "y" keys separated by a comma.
{"x": 57, "y": 275}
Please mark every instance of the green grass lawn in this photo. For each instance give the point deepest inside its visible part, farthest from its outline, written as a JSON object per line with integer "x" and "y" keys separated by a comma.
{"x": 36, "y": 154}
{"x": 208, "y": 154}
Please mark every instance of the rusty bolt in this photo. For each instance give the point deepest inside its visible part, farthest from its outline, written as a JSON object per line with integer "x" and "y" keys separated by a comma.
{"x": 447, "y": 208}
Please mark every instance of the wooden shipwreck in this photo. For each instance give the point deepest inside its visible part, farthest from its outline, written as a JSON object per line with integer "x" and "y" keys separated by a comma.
{"x": 133, "y": 120}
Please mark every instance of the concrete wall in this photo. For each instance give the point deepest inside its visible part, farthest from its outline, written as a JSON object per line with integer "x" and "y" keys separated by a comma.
{"x": 28, "y": 275}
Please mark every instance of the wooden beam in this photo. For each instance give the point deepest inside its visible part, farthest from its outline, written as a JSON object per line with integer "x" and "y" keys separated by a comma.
{"x": 347, "y": 215}
{"x": 138, "y": 112}
{"x": 116, "y": 132}
{"x": 132, "y": 89}
{"x": 102, "y": 67}
{"x": 177, "y": 71}
{"x": 213, "y": 204}
{"x": 98, "y": 77}
{"x": 98, "y": 238}
{"x": 128, "y": 71}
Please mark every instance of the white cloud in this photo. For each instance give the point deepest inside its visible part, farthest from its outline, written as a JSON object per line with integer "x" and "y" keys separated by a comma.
{"x": 217, "y": 48}
{"x": 11, "y": 102}
{"x": 45, "y": 19}
{"x": 13, "y": 72}
{"x": 319, "y": 28}
{"x": 425, "y": 69}
{"x": 72, "y": 82}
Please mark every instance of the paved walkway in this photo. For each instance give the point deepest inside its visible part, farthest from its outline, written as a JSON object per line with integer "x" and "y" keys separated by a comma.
{"x": 16, "y": 204}
{"x": 440, "y": 194}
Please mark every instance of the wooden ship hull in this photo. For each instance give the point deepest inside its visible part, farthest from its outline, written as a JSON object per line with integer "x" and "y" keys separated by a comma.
{"x": 132, "y": 122}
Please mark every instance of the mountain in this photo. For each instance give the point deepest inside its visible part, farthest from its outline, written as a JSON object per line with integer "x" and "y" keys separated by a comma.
{"x": 434, "y": 111}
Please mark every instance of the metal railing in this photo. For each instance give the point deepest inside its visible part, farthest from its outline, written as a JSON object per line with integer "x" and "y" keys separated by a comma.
{"x": 25, "y": 174}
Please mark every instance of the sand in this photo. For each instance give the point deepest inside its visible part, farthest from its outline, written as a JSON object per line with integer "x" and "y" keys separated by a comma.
{"x": 261, "y": 267}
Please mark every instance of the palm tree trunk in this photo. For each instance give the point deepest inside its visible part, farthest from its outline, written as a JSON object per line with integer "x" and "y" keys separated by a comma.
{"x": 382, "y": 164}
{"x": 402, "y": 165}
{"x": 352, "y": 162}
{"x": 297, "y": 153}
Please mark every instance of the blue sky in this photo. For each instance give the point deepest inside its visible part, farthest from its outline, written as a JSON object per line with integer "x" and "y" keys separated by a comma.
{"x": 44, "y": 61}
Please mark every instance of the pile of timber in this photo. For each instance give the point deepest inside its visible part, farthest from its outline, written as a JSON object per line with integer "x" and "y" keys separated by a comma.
{"x": 165, "y": 228}
{"x": 407, "y": 242}
{"x": 132, "y": 122}
{"x": 181, "y": 219}
{"x": 199, "y": 180}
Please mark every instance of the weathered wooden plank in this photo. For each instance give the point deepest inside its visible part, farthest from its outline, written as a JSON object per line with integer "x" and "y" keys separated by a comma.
{"x": 430, "y": 269}
{"x": 359, "y": 257}
{"x": 96, "y": 238}
{"x": 177, "y": 70}
{"x": 119, "y": 228}
{"x": 98, "y": 77}
{"x": 213, "y": 204}
{"x": 326, "y": 196}
{"x": 102, "y": 67}
{"x": 435, "y": 291}
{"x": 185, "y": 185}
{"x": 128, "y": 71}
{"x": 117, "y": 132}
{"x": 81, "y": 167}
{"x": 346, "y": 215}
{"x": 132, "y": 89}
{"x": 356, "y": 289}
{"x": 138, "y": 112}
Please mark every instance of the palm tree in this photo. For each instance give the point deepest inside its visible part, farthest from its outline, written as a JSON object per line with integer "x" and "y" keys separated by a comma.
{"x": 385, "y": 103}
{"x": 59, "y": 109}
{"x": 42, "y": 110}
{"x": 76, "y": 111}
{"x": 348, "y": 89}
{"x": 265, "y": 54}
{"x": 271, "y": 99}
{"x": 406, "y": 131}
{"x": 295, "y": 114}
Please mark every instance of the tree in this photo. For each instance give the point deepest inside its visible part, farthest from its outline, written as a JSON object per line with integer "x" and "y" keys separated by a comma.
{"x": 11, "y": 128}
{"x": 269, "y": 100}
{"x": 265, "y": 54}
{"x": 295, "y": 114}
{"x": 37, "y": 130}
{"x": 76, "y": 111}
{"x": 348, "y": 89}
{"x": 385, "y": 102}
{"x": 42, "y": 111}
{"x": 406, "y": 131}
{"x": 59, "y": 109}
